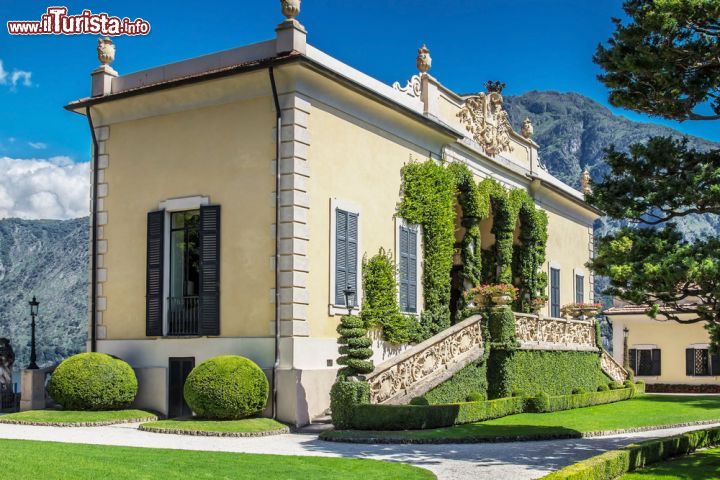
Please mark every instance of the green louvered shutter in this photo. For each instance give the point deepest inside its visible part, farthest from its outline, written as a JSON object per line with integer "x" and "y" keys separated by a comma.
{"x": 209, "y": 270}
{"x": 408, "y": 269}
{"x": 154, "y": 301}
{"x": 346, "y": 253}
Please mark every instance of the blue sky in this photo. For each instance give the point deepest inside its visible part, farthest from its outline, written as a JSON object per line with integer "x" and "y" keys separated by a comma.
{"x": 529, "y": 44}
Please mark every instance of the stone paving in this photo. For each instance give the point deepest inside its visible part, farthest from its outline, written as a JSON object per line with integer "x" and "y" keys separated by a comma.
{"x": 516, "y": 461}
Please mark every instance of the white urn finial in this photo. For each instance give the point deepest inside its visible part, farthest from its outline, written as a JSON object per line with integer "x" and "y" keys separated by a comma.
{"x": 106, "y": 50}
{"x": 290, "y": 8}
{"x": 585, "y": 182}
{"x": 527, "y": 129}
{"x": 424, "y": 61}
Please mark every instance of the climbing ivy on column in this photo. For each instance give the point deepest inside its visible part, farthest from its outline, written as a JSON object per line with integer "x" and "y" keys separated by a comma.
{"x": 428, "y": 199}
{"x": 530, "y": 254}
{"x": 380, "y": 301}
{"x": 505, "y": 209}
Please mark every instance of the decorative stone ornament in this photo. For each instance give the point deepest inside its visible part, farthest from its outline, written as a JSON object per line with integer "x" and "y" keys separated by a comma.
{"x": 424, "y": 60}
{"x": 290, "y": 8}
{"x": 585, "y": 182}
{"x": 527, "y": 129}
{"x": 486, "y": 121}
{"x": 106, "y": 50}
{"x": 7, "y": 359}
{"x": 413, "y": 87}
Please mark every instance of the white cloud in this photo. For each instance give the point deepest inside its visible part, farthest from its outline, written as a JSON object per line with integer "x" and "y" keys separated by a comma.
{"x": 15, "y": 78}
{"x": 44, "y": 188}
{"x": 38, "y": 145}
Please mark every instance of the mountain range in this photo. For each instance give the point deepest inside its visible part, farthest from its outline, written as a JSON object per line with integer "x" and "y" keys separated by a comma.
{"x": 49, "y": 258}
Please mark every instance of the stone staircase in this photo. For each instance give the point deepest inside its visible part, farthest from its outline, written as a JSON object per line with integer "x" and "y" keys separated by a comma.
{"x": 612, "y": 368}
{"x": 424, "y": 366}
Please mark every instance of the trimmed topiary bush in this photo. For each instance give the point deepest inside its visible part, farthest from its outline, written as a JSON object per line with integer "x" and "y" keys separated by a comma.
{"x": 345, "y": 396}
{"x": 93, "y": 381}
{"x": 615, "y": 385}
{"x": 603, "y": 388}
{"x": 226, "y": 388}
{"x": 476, "y": 397}
{"x": 578, "y": 390}
{"x": 539, "y": 403}
{"x": 355, "y": 351}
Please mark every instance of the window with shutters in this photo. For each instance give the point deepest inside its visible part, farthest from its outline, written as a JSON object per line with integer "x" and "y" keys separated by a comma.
{"x": 554, "y": 292}
{"x": 345, "y": 255}
{"x": 645, "y": 362}
{"x": 183, "y": 268}
{"x": 183, "y": 311}
{"x": 408, "y": 246}
{"x": 579, "y": 288}
{"x": 699, "y": 362}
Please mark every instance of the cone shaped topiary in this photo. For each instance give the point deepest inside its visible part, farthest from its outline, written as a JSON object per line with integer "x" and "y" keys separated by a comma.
{"x": 93, "y": 381}
{"x": 355, "y": 347}
{"x": 228, "y": 387}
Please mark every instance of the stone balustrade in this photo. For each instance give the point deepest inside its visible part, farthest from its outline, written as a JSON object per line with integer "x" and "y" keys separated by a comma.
{"x": 535, "y": 332}
{"x": 612, "y": 368}
{"x": 427, "y": 364}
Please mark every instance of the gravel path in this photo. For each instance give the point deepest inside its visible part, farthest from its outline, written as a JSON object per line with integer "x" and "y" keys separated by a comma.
{"x": 516, "y": 461}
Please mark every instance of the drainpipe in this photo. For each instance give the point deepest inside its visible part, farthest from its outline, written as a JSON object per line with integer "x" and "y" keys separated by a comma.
{"x": 93, "y": 234}
{"x": 278, "y": 125}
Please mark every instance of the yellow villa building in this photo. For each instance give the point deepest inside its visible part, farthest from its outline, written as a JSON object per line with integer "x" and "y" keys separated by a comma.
{"x": 235, "y": 195}
{"x": 668, "y": 356}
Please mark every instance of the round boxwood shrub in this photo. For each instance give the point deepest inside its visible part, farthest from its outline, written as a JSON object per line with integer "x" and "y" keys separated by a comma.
{"x": 229, "y": 387}
{"x": 539, "y": 403}
{"x": 93, "y": 381}
{"x": 603, "y": 388}
{"x": 578, "y": 391}
{"x": 419, "y": 401}
{"x": 475, "y": 397}
{"x": 615, "y": 385}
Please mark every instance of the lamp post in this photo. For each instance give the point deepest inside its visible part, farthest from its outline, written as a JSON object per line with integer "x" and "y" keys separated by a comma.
{"x": 349, "y": 298}
{"x": 626, "y": 355}
{"x": 33, "y": 313}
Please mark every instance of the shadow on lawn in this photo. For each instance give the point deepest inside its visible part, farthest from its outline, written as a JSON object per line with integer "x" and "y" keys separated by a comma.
{"x": 537, "y": 455}
{"x": 710, "y": 402}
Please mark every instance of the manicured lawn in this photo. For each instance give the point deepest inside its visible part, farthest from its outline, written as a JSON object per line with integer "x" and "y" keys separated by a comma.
{"x": 247, "y": 425}
{"x": 23, "y": 459}
{"x": 76, "y": 417}
{"x": 698, "y": 466}
{"x": 642, "y": 411}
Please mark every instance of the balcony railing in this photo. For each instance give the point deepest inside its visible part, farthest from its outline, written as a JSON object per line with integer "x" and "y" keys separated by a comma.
{"x": 183, "y": 316}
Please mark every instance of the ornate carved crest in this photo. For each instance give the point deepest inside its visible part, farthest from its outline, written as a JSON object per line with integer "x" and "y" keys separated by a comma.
{"x": 527, "y": 129}
{"x": 487, "y": 122}
{"x": 412, "y": 88}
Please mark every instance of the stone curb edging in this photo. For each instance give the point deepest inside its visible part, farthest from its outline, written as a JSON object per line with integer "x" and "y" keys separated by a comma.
{"x": 517, "y": 438}
{"x": 102, "y": 423}
{"x": 202, "y": 433}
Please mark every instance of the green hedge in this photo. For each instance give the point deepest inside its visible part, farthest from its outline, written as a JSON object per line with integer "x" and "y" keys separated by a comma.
{"x": 615, "y": 463}
{"x": 580, "y": 400}
{"x": 226, "y": 388}
{"x": 345, "y": 396}
{"x": 93, "y": 381}
{"x": 419, "y": 417}
{"x": 355, "y": 412}
{"x": 471, "y": 379}
{"x": 532, "y": 371}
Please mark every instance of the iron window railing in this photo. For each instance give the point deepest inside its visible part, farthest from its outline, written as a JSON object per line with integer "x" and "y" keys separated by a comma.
{"x": 183, "y": 316}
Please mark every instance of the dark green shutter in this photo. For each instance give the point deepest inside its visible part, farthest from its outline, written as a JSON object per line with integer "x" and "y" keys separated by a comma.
{"x": 408, "y": 269}
{"x": 656, "y": 361}
{"x": 346, "y": 253}
{"x": 554, "y": 292}
{"x": 690, "y": 362}
{"x": 714, "y": 364}
{"x": 209, "y": 270}
{"x": 154, "y": 301}
{"x": 632, "y": 353}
